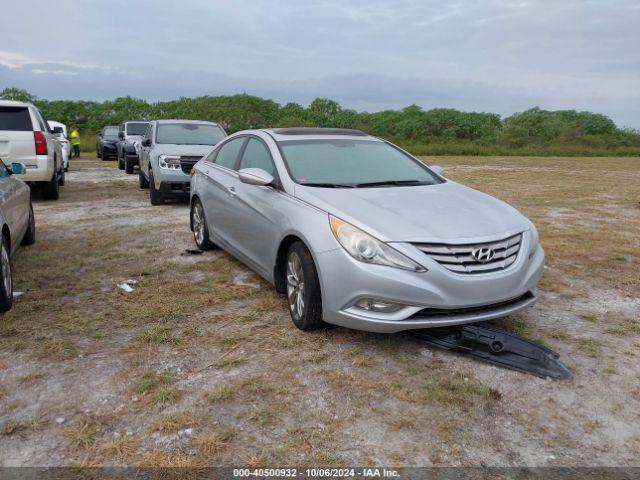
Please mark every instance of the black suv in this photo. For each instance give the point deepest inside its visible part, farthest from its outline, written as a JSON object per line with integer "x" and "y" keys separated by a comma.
{"x": 129, "y": 134}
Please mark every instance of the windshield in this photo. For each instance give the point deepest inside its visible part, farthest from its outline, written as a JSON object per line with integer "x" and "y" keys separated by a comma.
{"x": 110, "y": 132}
{"x": 137, "y": 128}
{"x": 352, "y": 163}
{"x": 189, "y": 134}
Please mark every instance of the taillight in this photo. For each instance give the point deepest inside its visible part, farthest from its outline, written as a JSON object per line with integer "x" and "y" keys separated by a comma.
{"x": 193, "y": 172}
{"x": 41, "y": 143}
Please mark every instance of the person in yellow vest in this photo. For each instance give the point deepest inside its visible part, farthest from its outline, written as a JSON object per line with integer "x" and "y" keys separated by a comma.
{"x": 75, "y": 141}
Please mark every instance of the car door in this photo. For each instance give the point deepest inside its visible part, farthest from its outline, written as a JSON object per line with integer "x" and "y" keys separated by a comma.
{"x": 14, "y": 203}
{"x": 256, "y": 213}
{"x": 221, "y": 176}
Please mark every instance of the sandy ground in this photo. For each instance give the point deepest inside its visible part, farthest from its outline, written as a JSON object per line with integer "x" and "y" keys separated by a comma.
{"x": 241, "y": 385}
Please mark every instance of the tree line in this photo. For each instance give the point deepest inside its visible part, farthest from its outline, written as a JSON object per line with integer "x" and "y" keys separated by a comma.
{"x": 434, "y": 131}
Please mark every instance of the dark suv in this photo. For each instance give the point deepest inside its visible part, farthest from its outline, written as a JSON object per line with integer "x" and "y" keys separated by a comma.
{"x": 129, "y": 134}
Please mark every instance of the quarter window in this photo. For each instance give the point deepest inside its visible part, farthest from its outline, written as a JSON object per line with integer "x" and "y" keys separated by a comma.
{"x": 228, "y": 153}
{"x": 256, "y": 155}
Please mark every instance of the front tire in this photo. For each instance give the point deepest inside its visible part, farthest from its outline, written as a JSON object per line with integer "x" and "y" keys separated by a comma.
{"x": 154, "y": 195}
{"x": 303, "y": 289}
{"x": 142, "y": 180}
{"x": 128, "y": 166}
{"x": 61, "y": 178}
{"x": 6, "y": 281}
{"x": 120, "y": 163}
{"x": 199, "y": 225}
{"x": 98, "y": 154}
{"x": 51, "y": 189}
{"x": 30, "y": 236}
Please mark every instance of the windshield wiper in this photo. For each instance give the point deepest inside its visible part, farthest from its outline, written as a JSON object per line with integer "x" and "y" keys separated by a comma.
{"x": 390, "y": 182}
{"x": 327, "y": 185}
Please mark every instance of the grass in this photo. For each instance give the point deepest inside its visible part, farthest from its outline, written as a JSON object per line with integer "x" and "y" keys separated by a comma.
{"x": 176, "y": 421}
{"x": 158, "y": 387}
{"x": 458, "y": 389}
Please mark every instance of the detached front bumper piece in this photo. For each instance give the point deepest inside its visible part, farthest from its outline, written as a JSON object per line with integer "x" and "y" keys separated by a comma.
{"x": 499, "y": 347}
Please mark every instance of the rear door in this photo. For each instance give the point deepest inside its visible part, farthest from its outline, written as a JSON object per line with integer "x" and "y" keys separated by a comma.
{"x": 16, "y": 136}
{"x": 221, "y": 174}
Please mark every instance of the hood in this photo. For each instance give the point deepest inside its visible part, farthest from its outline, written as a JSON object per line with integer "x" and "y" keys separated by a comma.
{"x": 187, "y": 150}
{"x": 447, "y": 212}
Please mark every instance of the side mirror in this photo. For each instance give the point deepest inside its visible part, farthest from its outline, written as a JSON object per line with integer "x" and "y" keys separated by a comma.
{"x": 121, "y": 135}
{"x": 146, "y": 142}
{"x": 255, "y": 176}
{"x": 18, "y": 168}
{"x": 437, "y": 169}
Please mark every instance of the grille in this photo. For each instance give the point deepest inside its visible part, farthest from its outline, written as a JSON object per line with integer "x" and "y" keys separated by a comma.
{"x": 459, "y": 258}
{"x": 187, "y": 163}
{"x": 440, "y": 312}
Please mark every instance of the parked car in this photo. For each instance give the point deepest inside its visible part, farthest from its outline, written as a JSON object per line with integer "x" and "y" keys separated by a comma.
{"x": 28, "y": 139}
{"x": 359, "y": 233}
{"x": 17, "y": 220}
{"x": 129, "y": 132}
{"x": 60, "y": 131}
{"x": 106, "y": 143}
{"x": 169, "y": 150}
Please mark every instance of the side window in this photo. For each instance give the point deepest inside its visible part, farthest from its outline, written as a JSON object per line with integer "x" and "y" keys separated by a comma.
{"x": 228, "y": 153}
{"x": 256, "y": 155}
{"x": 40, "y": 120}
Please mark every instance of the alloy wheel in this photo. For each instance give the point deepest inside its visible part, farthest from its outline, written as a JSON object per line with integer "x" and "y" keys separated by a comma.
{"x": 295, "y": 285}
{"x": 198, "y": 223}
{"x": 6, "y": 269}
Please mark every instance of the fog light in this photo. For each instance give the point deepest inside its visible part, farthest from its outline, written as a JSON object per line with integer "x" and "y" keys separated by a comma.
{"x": 381, "y": 306}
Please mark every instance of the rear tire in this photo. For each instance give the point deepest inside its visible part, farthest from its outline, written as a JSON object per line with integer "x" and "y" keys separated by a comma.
{"x": 142, "y": 180}
{"x": 30, "y": 236}
{"x": 120, "y": 163}
{"x": 154, "y": 195}
{"x": 6, "y": 281}
{"x": 303, "y": 289}
{"x": 51, "y": 189}
{"x": 61, "y": 178}
{"x": 199, "y": 225}
{"x": 98, "y": 154}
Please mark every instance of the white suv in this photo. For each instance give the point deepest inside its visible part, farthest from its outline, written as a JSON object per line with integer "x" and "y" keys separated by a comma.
{"x": 25, "y": 137}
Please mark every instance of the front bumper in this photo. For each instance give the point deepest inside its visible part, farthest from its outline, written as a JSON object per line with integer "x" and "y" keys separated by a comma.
{"x": 109, "y": 150}
{"x": 175, "y": 189}
{"x": 42, "y": 171}
{"x": 434, "y": 298}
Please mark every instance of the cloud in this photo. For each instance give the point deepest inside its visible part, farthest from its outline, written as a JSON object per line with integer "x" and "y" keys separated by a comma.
{"x": 492, "y": 55}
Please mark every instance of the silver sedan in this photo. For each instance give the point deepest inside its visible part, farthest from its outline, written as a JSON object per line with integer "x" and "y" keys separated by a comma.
{"x": 357, "y": 232}
{"x": 17, "y": 223}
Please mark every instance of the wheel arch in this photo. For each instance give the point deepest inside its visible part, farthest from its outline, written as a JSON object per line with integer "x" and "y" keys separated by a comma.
{"x": 279, "y": 269}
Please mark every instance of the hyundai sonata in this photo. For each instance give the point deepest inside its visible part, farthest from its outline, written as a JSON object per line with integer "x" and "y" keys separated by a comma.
{"x": 359, "y": 233}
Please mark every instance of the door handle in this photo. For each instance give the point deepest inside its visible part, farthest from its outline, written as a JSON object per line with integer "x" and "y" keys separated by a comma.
{"x": 232, "y": 191}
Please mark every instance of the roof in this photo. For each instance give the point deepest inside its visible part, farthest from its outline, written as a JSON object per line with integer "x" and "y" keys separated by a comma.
{"x": 203, "y": 122}
{"x": 306, "y": 133}
{"x": 14, "y": 103}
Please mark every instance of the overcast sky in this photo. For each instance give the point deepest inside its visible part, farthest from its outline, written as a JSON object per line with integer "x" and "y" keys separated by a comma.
{"x": 496, "y": 56}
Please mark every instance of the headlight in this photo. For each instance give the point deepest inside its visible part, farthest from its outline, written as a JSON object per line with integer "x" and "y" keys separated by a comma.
{"x": 169, "y": 162}
{"x": 365, "y": 248}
